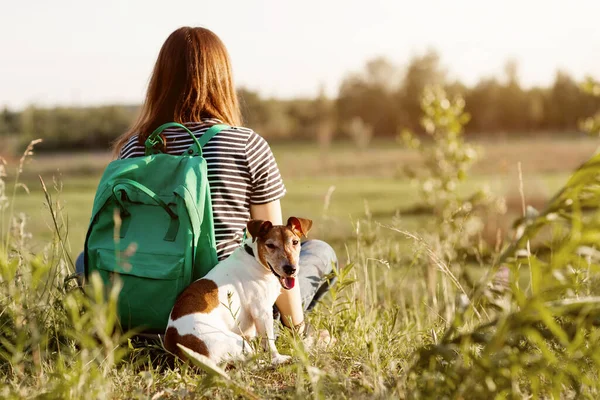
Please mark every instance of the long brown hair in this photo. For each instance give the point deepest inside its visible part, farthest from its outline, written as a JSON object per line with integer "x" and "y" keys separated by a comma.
{"x": 191, "y": 80}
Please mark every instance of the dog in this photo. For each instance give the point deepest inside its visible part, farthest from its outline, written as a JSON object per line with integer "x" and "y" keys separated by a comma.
{"x": 217, "y": 315}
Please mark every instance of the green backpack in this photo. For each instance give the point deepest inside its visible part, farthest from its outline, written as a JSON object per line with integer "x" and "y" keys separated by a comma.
{"x": 152, "y": 226}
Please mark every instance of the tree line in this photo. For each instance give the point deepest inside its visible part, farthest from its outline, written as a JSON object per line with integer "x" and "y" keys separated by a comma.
{"x": 378, "y": 101}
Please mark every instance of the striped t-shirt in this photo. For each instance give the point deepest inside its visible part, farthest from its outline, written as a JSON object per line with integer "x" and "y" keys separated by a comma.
{"x": 241, "y": 171}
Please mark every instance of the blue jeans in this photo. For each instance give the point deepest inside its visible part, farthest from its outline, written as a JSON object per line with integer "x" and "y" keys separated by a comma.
{"x": 315, "y": 272}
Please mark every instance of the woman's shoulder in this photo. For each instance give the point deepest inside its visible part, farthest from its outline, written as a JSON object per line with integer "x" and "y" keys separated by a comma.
{"x": 131, "y": 148}
{"x": 242, "y": 131}
{"x": 248, "y": 135}
{"x": 199, "y": 127}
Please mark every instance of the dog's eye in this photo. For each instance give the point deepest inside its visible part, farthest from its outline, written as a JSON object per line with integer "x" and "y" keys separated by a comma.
{"x": 295, "y": 242}
{"x": 271, "y": 246}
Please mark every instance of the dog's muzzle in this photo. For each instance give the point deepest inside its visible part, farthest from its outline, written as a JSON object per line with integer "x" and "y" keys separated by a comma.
{"x": 286, "y": 282}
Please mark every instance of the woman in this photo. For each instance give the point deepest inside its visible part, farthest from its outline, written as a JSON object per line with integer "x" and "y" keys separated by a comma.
{"x": 192, "y": 84}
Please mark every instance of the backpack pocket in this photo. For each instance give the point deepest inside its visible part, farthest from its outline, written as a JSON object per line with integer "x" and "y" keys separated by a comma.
{"x": 151, "y": 284}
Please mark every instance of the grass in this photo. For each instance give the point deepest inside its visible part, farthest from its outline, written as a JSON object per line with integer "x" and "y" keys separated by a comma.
{"x": 391, "y": 312}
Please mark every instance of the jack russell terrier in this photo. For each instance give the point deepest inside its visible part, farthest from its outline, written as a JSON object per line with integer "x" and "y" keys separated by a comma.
{"x": 217, "y": 315}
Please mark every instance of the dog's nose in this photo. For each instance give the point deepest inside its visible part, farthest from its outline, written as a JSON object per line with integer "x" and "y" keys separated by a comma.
{"x": 289, "y": 269}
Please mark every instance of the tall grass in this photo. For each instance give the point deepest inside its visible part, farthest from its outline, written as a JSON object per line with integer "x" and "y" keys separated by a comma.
{"x": 54, "y": 341}
{"x": 417, "y": 324}
{"x": 540, "y": 337}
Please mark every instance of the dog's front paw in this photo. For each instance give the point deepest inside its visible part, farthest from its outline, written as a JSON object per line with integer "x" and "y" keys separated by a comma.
{"x": 279, "y": 359}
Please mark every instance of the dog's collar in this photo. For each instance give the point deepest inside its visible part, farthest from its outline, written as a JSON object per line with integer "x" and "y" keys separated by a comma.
{"x": 248, "y": 249}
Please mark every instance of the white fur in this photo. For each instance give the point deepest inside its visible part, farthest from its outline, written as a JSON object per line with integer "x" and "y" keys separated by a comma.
{"x": 247, "y": 292}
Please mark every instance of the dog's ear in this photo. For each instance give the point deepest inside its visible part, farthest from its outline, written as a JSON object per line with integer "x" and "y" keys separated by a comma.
{"x": 300, "y": 226}
{"x": 257, "y": 228}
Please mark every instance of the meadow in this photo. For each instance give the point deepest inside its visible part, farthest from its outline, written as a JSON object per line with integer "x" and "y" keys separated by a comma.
{"x": 334, "y": 187}
{"x": 405, "y": 325}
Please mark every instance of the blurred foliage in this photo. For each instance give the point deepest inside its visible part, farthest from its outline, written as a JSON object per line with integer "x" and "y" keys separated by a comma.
{"x": 591, "y": 124}
{"x": 384, "y": 96}
{"x": 67, "y": 129}
{"x": 447, "y": 156}
{"x": 541, "y": 338}
{"x": 538, "y": 336}
{"x": 387, "y": 97}
{"x": 446, "y": 159}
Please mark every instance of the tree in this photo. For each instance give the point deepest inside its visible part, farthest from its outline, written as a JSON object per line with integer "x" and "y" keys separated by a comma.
{"x": 324, "y": 128}
{"x": 4, "y": 122}
{"x": 370, "y": 96}
{"x": 563, "y": 102}
{"x": 482, "y": 104}
{"x": 422, "y": 71}
{"x": 252, "y": 107}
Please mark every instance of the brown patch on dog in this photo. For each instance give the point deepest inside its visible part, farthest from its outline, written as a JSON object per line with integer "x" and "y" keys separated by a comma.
{"x": 300, "y": 226}
{"x": 202, "y": 296}
{"x": 172, "y": 337}
{"x": 258, "y": 228}
{"x": 274, "y": 233}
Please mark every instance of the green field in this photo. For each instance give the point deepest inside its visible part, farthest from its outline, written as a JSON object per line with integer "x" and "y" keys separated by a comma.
{"x": 360, "y": 183}
{"x": 409, "y": 320}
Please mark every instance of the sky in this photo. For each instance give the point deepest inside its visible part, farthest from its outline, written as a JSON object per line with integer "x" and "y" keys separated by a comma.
{"x": 74, "y": 53}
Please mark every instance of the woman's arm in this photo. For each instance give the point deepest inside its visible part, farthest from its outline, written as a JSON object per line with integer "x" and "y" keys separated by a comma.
{"x": 289, "y": 302}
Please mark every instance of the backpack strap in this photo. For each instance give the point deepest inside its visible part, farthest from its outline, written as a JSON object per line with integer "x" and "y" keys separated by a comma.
{"x": 155, "y": 137}
{"x": 196, "y": 148}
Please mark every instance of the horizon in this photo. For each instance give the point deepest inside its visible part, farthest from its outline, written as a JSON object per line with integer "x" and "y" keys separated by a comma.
{"x": 69, "y": 58}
